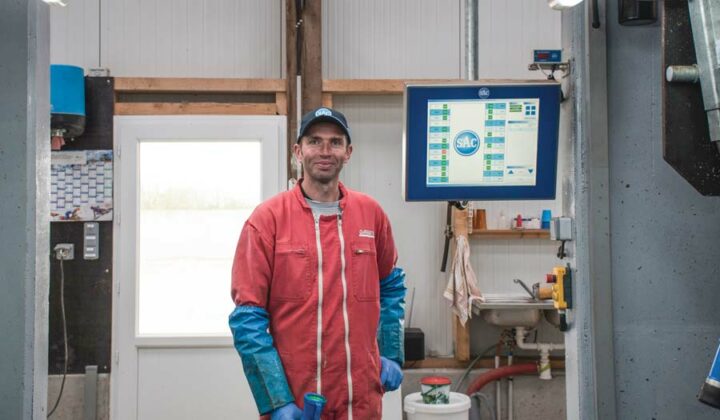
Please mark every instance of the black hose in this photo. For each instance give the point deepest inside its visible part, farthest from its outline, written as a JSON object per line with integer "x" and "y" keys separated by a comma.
{"x": 65, "y": 340}
{"x": 448, "y": 235}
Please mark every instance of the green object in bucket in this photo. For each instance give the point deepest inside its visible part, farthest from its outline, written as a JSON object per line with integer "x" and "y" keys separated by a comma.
{"x": 435, "y": 390}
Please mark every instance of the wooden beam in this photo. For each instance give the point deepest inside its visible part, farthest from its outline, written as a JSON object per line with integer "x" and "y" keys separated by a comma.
{"x": 511, "y": 233}
{"x": 365, "y": 86}
{"x": 193, "y": 108}
{"x": 281, "y": 103}
{"x": 311, "y": 55}
{"x": 461, "y": 332}
{"x": 291, "y": 63}
{"x": 327, "y": 100}
{"x": 397, "y": 86}
{"x": 197, "y": 85}
{"x": 462, "y": 339}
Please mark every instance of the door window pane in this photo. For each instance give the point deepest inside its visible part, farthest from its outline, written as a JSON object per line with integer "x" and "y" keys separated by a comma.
{"x": 194, "y": 199}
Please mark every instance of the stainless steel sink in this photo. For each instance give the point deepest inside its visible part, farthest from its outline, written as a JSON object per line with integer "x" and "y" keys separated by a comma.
{"x": 511, "y": 311}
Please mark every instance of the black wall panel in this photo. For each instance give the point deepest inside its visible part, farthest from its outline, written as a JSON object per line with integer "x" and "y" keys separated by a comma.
{"x": 87, "y": 283}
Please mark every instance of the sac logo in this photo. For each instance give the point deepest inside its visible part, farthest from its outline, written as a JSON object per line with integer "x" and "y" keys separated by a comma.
{"x": 466, "y": 143}
{"x": 484, "y": 93}
{"x": 323, "y": 112}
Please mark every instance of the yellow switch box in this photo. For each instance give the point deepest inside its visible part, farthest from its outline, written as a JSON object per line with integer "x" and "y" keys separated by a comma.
{"x": 558, "y": 287}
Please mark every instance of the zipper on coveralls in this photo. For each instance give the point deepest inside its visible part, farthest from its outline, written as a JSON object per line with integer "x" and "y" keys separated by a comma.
{"x": 318, "y": 374}
{"x": 345, "y": 316}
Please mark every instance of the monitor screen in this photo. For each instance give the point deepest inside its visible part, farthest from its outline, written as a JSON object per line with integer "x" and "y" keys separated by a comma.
{"x": 481, "y": 142}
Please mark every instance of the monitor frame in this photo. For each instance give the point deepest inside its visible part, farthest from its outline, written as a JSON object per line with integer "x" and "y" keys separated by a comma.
{"x": 414, "y": 171}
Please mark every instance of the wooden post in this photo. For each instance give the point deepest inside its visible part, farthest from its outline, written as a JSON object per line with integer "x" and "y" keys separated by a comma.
{"x": 281, "y": 103}
{"x": 311, "y": 55}
{"x": 291, "y": 66}
{"x": 460, "y": 332}
{"x": 327, "y": 100}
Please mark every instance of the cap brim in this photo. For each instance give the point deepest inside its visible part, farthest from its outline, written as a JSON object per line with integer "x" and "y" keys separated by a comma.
{"x": 324, "y": 118}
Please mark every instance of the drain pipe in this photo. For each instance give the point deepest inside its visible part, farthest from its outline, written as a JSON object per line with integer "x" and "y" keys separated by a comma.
{"x": 498, "y": 389}
{"x": 543, "y": 348}
{"x": 510, "y": 389}
{"x": 471, "y": 39}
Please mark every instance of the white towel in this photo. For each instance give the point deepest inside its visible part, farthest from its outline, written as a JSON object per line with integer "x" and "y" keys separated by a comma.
{"x": 462, "y": 288}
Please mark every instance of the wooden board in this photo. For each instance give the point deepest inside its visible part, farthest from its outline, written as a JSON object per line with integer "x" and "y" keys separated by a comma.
{"x": 291, "y": 63}
{"x": 197, "y": 85}
{"x": 281, "y": 103}
{"x": 194, "y": 108}
{"x": 397, "y": 86}
{"x": 461, "y": 333}
{"x": 511, "y": 234}
{"x": 311, "y": 55}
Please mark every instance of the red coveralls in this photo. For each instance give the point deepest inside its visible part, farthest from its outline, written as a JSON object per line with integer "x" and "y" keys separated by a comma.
{"x": 319, "y": 282}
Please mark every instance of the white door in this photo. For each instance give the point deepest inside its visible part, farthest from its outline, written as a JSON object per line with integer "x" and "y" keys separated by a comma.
{"x": 184, "y": 187}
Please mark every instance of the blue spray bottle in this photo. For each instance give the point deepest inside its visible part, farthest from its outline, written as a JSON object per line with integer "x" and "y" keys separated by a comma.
{"x": 710, "y": 391}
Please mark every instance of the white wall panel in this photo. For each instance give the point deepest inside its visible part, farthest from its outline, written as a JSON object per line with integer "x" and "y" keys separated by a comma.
{"x": 375, "y": 168}
{"x": 423, "y": 39}
{"x": 75, "y": 34}
{"x": 192, "y": 38}
{"x": 508, "y": 32}
{"x": 391, "y": 39}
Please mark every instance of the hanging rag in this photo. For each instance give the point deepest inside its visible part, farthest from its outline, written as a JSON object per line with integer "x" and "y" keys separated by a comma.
{"x": 462, "y": 287}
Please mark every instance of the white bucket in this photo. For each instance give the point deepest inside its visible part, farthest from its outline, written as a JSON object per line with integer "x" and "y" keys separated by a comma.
{"x": 457, "y": 409}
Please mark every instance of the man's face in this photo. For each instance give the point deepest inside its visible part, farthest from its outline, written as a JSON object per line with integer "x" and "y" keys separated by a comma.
{"x": 323, "y": 151}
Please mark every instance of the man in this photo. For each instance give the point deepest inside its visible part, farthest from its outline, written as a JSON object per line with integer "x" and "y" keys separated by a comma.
{"x": 319, "y": 301}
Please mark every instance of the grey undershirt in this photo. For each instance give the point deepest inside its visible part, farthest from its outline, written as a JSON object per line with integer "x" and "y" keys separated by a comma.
{"x": 320, "y": 208}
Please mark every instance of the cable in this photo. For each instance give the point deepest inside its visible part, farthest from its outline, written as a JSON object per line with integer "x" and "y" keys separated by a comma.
{"x": 471, "y": 365}
{"x": 64, "y": 327}
{"x": 488, "y": 403}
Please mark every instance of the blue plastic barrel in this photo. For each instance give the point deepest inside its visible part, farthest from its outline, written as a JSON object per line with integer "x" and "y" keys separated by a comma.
{"x": 67, "y": 99}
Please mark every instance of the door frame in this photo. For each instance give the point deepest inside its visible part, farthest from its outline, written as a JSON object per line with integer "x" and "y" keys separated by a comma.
{"x": 128, "y": 132}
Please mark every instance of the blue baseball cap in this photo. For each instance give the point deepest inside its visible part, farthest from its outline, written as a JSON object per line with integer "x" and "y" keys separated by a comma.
{"x": 323, "y": 115}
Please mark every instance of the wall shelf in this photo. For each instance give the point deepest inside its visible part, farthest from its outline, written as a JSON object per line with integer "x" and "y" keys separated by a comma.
{"x": 511, "y": 234}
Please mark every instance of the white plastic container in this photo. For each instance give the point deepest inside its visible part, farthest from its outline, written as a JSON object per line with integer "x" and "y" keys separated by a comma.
{"x": 457, "y": 409}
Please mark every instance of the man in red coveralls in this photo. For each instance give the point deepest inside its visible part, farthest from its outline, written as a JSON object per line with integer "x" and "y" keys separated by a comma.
{"x": 319, "y": 301}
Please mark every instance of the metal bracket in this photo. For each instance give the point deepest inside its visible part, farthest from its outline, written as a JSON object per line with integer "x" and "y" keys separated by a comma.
{"x": 552, "y": 67}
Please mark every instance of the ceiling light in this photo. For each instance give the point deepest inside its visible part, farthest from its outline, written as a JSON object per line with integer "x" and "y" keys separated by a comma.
{"x": 60, "y": 3}
{"x": 563, "y": 4}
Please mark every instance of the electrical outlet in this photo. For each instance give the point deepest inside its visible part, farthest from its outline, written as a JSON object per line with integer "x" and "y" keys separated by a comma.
{"x": 64, "y": 251}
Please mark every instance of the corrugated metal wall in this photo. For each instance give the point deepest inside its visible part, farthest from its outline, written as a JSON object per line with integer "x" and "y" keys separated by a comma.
{"x": 171, "y": 38}
{"x": 361, "y": 39}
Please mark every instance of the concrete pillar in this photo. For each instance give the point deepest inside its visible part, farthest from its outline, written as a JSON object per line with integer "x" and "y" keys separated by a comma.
{"x": 24, "y": 207}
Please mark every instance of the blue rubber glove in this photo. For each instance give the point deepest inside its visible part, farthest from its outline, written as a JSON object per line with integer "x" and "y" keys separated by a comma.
{"x": 286, "y": 412}
{"x": 391, "y": 375}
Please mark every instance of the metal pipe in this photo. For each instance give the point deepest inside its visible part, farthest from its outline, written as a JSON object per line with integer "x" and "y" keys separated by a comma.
{"x": 527, "y": 289}
{"x": 510, "y": 390}
{"x": 471, "y": 39}
{"x": 682, "y": 74}
{"x": 498, "y": 395}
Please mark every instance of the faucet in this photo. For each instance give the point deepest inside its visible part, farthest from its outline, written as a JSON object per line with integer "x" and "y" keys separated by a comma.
{"x": 527, "y": 289}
